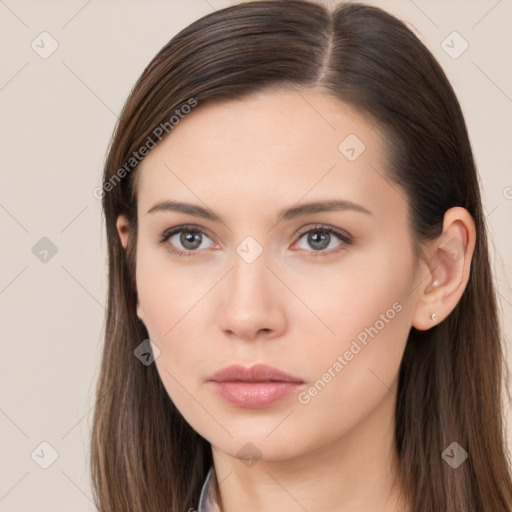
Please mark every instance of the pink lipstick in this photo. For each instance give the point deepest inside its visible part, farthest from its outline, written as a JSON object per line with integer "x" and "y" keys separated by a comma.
{"x": 255, "y": 387}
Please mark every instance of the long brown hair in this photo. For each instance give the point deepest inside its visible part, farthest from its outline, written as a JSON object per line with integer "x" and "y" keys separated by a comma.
{"x": 144, "y": 456}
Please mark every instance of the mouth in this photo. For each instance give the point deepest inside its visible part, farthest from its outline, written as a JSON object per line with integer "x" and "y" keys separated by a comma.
{"x": 254, "y": 388}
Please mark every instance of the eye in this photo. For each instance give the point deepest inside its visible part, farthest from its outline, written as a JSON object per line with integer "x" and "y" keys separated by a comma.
{"x": 189, "y": 240}
{"x": 319, "y": 238}
{"x": 185, "y": 240}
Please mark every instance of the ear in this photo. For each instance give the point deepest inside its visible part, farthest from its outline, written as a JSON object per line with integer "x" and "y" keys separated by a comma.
{"x": 123, "y": 229}
{"x": 448, "y": 268}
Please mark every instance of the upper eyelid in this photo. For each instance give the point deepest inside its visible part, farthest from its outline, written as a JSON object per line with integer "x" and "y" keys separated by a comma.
{"x": 334, "y": 230}
{"x": 186, "y": 227}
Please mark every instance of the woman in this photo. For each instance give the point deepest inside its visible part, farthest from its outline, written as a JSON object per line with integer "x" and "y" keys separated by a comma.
{"x": 294, "y": 221}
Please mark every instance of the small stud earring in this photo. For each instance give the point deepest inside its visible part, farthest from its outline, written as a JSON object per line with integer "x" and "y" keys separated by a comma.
{"x": 433, "y": 316}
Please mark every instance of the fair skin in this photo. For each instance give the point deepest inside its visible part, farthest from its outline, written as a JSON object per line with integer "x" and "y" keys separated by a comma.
{"x": 246, "y": 161}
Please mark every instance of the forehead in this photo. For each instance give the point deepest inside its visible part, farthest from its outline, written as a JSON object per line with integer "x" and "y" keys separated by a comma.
{"x": 270, "y": 148}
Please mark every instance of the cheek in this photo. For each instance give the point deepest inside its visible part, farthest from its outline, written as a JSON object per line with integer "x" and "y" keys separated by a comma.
{"x": 167, "y": 302}
{"x": 364, "y": 288}
{"x": 172, "y": 300}
{"x": 168, "y": 293}
{"x": 368, "y": 306}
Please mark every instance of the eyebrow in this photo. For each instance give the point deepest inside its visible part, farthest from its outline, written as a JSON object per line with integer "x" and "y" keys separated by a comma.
{"x": 284, "y": 215}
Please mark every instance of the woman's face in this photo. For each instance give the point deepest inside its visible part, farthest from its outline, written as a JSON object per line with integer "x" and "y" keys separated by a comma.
{"x": 250, "y": 285}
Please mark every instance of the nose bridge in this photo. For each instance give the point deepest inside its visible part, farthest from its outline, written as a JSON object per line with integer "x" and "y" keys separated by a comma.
{"x": 250, "y": 303}
{"x": 250, "y": 275}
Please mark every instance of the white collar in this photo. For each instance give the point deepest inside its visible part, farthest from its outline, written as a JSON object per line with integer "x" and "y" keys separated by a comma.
{"x": 208, "y": 499}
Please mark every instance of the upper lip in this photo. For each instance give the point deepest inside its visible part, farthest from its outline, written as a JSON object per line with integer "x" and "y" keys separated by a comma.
{"x": 256, "y": 373}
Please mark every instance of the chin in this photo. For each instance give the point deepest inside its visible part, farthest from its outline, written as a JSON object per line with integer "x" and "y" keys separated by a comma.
{"x": 253, "y": 446}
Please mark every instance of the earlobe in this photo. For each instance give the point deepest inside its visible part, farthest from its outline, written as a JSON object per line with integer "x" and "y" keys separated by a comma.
{"x": 123, "y": 229}
{"x": 448, "y": 269}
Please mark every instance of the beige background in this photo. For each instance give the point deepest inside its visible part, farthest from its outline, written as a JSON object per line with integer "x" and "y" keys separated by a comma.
{"x": 58, "y": 114}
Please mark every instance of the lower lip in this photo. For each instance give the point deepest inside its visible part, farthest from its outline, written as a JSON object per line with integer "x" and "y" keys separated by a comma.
{"x": 254, "y": 395}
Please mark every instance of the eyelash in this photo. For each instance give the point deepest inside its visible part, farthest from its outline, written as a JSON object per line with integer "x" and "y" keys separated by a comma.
{"x": 343, "y": 237}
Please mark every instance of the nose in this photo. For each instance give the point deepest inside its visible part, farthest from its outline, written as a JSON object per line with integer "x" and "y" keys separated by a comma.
{"x": 253, "y": 305}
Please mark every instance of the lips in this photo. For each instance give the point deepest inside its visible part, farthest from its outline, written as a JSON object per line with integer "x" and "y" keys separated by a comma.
{"x": 257, "y": 373}
{"x": 254, "y": 388}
